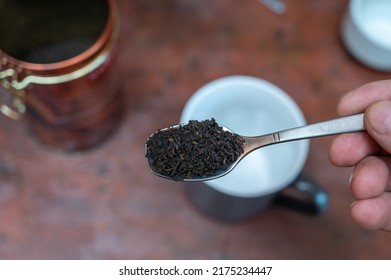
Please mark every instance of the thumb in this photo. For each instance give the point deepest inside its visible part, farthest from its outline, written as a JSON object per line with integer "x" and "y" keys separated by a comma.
{"x": 378, "y": 123}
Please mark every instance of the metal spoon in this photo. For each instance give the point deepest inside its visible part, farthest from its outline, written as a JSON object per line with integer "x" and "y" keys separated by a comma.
{"x": 352, "y": 123}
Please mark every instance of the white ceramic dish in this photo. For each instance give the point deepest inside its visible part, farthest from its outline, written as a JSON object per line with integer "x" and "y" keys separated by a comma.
{"x": 366, "y": 32}
{"x": 250, "y": 106}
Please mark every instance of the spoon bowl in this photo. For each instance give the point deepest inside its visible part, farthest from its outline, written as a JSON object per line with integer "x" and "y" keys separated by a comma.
{"x": 347, "y": 124}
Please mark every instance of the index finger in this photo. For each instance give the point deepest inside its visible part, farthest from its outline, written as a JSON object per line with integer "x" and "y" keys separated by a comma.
{"x": 357, "y": 100}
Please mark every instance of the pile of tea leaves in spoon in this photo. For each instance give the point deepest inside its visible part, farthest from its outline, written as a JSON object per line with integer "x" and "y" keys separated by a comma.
{"x": 196, "y": 149}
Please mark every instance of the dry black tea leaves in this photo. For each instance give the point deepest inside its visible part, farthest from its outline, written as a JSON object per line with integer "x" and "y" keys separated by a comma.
{"x": 197, "y": 149}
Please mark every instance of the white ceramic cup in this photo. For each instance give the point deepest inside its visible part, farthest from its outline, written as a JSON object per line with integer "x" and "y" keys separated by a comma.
{"x": 249, "y": 106}
{"x": 366, "y": 32}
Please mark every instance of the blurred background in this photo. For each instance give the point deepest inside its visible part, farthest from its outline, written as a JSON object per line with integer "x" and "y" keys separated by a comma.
{"x": 105, "y": 204}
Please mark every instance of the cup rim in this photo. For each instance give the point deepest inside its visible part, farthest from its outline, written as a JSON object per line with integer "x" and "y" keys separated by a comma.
{"x": 107, "y": 33}
{"x": 213, "y": 85}
{"x": 355, "y": 10}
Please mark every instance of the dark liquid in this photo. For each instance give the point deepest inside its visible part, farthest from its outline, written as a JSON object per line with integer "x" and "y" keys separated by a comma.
{"x": 44, "y": 31}
{"x": 80, "y": 113}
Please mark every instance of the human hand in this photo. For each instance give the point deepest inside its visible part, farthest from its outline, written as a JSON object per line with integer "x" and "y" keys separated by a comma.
{"x": 369, "y": 152}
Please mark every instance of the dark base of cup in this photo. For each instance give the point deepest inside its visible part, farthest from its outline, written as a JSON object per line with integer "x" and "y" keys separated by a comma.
{"x": 225, "y": 207}
{"x": 304, "y": 195}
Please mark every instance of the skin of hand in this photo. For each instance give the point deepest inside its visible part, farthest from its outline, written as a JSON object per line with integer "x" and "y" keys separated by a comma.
{"x": 369, "y": 153}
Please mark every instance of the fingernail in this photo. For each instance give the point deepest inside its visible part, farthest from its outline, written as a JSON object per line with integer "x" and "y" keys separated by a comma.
{"x": 379, "y": 116}
{"x": 351, "y": 179}
{"x": 351, "y": 205}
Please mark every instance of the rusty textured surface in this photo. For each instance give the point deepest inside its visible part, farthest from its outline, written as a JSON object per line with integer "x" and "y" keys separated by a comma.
{"x": 104, "y": 203}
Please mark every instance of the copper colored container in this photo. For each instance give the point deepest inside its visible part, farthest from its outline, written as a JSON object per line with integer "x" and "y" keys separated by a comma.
{"x": 56, "y": 69}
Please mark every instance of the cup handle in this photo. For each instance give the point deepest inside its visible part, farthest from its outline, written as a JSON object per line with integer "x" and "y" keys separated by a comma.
{"x": 304, "y": 195}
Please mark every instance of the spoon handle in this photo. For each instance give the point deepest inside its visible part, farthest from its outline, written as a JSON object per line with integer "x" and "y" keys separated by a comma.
{"x": 340, "y": 125}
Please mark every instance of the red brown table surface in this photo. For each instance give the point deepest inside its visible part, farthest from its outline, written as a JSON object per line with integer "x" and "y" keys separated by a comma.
{"x": 105, "y": 204}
